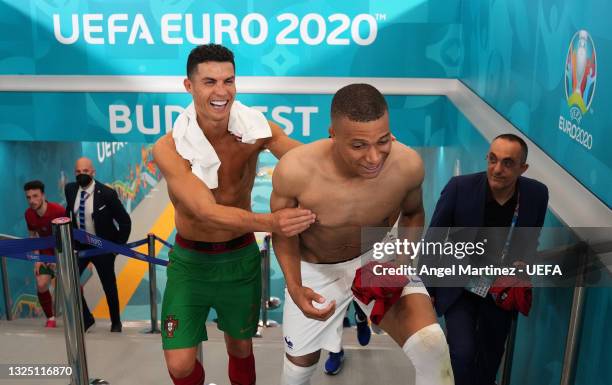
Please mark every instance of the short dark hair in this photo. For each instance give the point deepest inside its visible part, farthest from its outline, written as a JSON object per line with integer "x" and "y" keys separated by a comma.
{"x": 34, "y": 185}
{"x": 515, "y": 139}
{"x": 358, "y": 102}
{"x": 208, "y": 52}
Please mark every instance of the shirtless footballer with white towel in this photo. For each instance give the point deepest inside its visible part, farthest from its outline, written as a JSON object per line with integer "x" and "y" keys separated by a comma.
{"x": 209, "y": 162}
{"x": 357, "y": 178}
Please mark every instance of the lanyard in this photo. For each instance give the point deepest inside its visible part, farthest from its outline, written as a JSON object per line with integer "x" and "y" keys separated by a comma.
{"x": 506, "y": 248}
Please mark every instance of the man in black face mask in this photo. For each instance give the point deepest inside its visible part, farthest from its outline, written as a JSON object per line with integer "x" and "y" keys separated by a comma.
{"x": 96, "y": 209}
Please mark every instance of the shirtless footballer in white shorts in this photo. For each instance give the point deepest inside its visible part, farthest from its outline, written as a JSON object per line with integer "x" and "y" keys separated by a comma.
{"x": 358, "y": 178}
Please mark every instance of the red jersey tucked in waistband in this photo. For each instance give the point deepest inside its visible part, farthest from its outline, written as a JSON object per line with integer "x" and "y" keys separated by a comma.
{"x": 216, "y": 247}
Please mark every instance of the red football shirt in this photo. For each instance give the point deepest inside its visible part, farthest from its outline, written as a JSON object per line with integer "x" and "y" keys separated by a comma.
{"x": 42, "y": 225}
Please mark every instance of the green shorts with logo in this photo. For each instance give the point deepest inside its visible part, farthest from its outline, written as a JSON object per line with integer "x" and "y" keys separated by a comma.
{"x": 229, "y": 282}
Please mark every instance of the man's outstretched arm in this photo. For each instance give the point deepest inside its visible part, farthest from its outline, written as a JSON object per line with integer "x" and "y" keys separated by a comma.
{"x": 198, "y": 200}
{"x": 280, "y": 143}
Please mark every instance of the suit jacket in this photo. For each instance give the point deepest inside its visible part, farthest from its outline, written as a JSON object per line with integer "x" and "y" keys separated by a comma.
{"x": 462, "y": 204}
{"x": 107, "y": 210}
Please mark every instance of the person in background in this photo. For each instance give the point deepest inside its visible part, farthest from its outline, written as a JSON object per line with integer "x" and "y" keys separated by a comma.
{"x": 38, "y": 218}
{"x": 334, "y": 362}
{"x": 489, "y": 202}
{"x": 96, "y": 209}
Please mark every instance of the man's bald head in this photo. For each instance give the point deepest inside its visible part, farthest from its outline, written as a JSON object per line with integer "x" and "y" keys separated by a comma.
{"x": 84, "y": 165}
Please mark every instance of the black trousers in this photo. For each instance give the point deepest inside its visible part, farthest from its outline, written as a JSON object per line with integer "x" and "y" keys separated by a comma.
{"x": 476, "y": 333}
{"x": 105, "y": 266}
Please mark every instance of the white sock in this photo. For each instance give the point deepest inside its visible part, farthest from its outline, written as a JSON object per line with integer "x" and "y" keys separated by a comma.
{"x": 296, "y": 375}
{"x": 428, "y": 351}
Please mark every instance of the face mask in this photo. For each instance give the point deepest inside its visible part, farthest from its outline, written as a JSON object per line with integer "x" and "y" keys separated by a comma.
{"x": 83, "y": 180}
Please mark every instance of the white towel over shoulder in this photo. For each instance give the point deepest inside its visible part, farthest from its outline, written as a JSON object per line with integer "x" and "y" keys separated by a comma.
{"x": 246, "y": 123}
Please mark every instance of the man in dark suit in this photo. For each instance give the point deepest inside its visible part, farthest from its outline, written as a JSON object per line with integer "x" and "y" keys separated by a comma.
{"x": 96, "y": 209}
{"x": 481, "y": 204}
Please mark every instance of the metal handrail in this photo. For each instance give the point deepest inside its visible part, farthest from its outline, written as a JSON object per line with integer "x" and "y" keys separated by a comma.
{"x": 57, "y": 302}
{"x": 8, "y": 236}
{"x": 6, "y": 288}
{"x": 506, "y": 370}
{"x": 583, "y": 250}
{"x": 68, "y": 273}
{"x": 570, "y": 355}
{"x": 565, "y": 250}
{"x": 152, "y": 285}
{"x": 267, "y": 301}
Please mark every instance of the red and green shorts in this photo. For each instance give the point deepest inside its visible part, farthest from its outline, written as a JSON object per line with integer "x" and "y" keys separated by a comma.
{"x": 225, "y": 276}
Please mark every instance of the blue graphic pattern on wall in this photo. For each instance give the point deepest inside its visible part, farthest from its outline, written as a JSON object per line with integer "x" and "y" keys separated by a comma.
{"x": 292, "y": 38}
{"x": 516, "y": 59}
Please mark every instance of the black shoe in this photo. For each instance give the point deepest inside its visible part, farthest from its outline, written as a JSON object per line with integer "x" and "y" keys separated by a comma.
{"x": 346, "y": 322}
{"x": 116, "y": 327}
{"x": 89, "y": 322}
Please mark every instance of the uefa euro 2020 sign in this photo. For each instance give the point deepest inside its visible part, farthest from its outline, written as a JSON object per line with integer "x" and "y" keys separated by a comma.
{"x": 580, "y": 73}
{"x": 580, "y": 80}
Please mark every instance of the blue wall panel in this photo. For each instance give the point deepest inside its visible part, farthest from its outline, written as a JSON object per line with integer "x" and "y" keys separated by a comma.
{"x": 515, "y": 59}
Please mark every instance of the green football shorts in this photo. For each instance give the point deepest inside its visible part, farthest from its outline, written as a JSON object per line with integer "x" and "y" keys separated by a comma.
{"x": 225, "y": 276}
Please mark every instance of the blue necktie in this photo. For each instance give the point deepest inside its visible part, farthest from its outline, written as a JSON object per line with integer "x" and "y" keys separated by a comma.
{"x": 82, "y": 210}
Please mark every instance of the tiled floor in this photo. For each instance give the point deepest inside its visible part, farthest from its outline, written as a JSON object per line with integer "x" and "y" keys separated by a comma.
{"x": 135, "y": 358}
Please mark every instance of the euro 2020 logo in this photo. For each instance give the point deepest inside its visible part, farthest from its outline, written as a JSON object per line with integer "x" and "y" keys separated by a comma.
{"x": 580, "y": 74}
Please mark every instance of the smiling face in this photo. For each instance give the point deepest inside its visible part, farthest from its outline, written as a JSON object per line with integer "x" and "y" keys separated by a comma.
{"x": 213, "y": 88}
{"x": 362, "y": 147}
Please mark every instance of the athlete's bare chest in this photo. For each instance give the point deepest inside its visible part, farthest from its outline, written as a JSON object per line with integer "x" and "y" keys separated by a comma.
{"x": 363, "y": 204}
{"x": 236, "y": 173}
